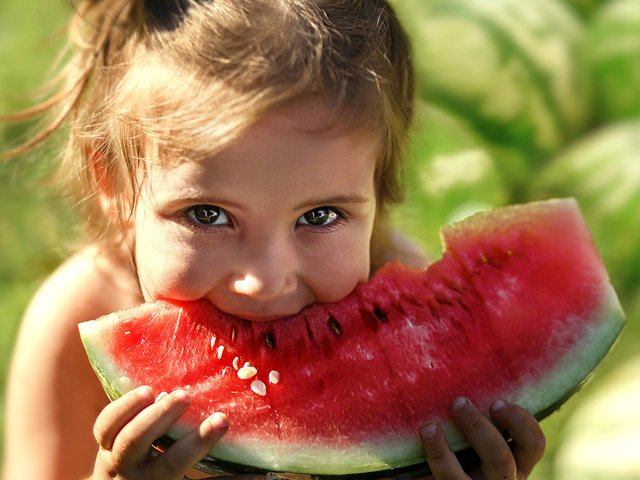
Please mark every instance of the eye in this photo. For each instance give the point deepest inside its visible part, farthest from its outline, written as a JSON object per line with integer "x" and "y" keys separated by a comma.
{"x": 208, "y": 215}
{"x": 319, "y": 217}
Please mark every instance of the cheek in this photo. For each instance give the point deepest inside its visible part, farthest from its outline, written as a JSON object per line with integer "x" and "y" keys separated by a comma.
{"x": 178, "y": 277}
{"x": 339, "y": 270}
{"x": 168, "y": 266}
{"x": 160, "y": 271}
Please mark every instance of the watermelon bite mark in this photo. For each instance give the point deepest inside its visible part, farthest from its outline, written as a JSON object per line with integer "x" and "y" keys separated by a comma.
{"x": 519, "y": 308}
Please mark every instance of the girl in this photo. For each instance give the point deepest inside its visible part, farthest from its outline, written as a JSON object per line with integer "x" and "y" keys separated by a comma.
{"x": 242, "y": 151}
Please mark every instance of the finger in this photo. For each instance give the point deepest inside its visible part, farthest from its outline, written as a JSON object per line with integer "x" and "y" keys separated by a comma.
{"x": 442, "y": 461}
{"x": 496, "y": 458}
{"x": 528, "y": 438}
{"x": 131, "y": 446}
{"x": 191, "y": 448}
{"x": 118, "y": 413}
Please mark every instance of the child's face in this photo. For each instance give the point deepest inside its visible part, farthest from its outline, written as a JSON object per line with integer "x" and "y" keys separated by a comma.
{"x": 280, "y": 219}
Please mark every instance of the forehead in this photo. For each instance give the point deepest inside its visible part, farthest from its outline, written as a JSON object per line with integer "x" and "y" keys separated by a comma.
{"x": 308, "y": 117}
{"x": 292, "y": 151}
{"x": 182, "y": 113}
{"x": 310, "y": 114}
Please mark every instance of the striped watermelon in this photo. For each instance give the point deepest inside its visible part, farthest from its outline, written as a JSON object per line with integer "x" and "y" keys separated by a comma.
{"x": 515, "y": 69}
{"x": 613, "y": 39}
{"x": 602, "y": 171}
{"x": 449, "y": 174}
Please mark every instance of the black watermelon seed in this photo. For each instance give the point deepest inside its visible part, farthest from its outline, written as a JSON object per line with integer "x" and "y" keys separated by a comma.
{"x": 335, "y": 326}
{"x": 270, "y": 340}
{"x": 380, "y": 315}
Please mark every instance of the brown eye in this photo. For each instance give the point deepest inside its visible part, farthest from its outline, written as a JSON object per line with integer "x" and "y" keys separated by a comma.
{"x": 208, "y": 215}
{"x": 319, "y": 217}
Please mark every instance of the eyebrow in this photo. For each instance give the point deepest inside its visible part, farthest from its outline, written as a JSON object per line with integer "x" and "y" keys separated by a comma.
{"x": 338, "y": 199}
{"x": 189, "y": 195}
{"x": 192, "y": 196}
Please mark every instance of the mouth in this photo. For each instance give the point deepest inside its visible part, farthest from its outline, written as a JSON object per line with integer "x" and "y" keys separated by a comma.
{"x": 259, "y": 315}
{"x": 261, "y": 318}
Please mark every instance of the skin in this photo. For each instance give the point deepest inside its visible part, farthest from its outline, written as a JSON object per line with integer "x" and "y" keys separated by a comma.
{"x": 288, "y": 241}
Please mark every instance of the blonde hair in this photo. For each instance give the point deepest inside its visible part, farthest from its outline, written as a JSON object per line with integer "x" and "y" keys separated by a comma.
{"x": 163, "y": 79}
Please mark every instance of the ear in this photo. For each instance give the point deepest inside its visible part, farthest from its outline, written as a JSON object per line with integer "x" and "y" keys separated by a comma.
{"x": 102, "y": 177}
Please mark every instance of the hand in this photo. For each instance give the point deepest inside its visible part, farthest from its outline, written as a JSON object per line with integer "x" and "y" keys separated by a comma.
{"x": 499, "y": 459}
{"x": 126, "y": 428}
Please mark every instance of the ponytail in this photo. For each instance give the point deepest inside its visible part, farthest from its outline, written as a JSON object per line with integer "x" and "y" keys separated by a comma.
{"x": 98, "y": 29}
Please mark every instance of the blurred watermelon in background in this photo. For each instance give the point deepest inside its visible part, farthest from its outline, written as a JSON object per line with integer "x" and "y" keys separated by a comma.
{"x": 614, "y": 52}
{"x": 600, "y": 439}
{"x": 515, "y": 70}
{"x": 584, "y": 7}
{"x": 450, "y": 174}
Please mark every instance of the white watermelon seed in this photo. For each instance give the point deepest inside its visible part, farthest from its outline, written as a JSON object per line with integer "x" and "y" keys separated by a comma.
{"x": 236, "y": 363}
{"x": 245, "y": 373}
{"x": 274, "y": 377}
{"x": 212, "y": 342}
{"x": 259, "y": 388}
{"x": 220, "y": 351}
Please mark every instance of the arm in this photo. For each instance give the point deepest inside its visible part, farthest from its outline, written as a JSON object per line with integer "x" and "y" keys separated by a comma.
{"x": 52, "y": 394}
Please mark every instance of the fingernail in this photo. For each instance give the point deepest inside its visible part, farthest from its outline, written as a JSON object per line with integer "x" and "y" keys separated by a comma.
{"x": 459, "y": 403}
{"x": 498, "y": 405}
{"x": 160, "y": 396}
{"x": 429, "y": 430}
{"x": 219, "y": 421}
{"x": 144, "y": 392}
{"x": 181, "y": 396}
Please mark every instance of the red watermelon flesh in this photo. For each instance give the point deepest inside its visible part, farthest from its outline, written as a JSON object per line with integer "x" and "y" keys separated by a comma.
{"x": 519, "y": 308}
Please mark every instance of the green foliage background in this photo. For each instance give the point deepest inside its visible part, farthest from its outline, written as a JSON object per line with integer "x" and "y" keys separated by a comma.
{"x": 31, "y": 218}
{"x": 36, "y": 226}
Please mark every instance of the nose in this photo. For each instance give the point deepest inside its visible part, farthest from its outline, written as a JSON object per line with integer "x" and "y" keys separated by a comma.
{"x": 264, "y": 289}
{"x": 268, "y": 272}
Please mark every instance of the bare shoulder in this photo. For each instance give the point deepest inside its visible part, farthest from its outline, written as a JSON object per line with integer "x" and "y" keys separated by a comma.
{"x": 53, "y": 397}
{"x": 86, "y": 286}
{"x": 89, "y": 284}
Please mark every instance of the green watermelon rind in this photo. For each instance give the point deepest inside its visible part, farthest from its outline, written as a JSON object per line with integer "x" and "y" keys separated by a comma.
{"x": 541, "y": 399}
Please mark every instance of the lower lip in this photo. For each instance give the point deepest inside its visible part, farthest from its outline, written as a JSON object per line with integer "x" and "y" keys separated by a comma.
{"x": 261, "y": 319}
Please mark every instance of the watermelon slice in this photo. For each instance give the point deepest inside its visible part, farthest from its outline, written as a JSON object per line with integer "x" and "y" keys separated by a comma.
{"x": 519, "y": 308}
